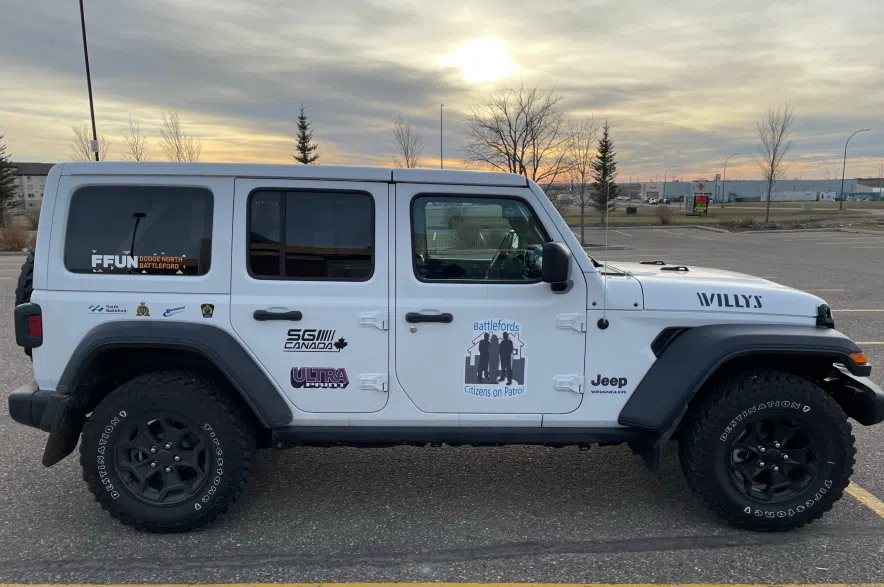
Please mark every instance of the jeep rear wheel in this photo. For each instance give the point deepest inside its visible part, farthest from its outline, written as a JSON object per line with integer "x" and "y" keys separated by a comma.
{"x": 768, "y": 450}
{"x": 167, "y": 452}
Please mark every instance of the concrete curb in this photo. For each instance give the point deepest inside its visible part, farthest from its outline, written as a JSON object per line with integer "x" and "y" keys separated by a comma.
{"x": 13, "y": 254}
{"x": 710, "y": 228}
{"x": 858, "y": 231}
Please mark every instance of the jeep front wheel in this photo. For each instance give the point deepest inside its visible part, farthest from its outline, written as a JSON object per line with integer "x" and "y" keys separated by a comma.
{"x": 768, "y": 450}
{"x": 167, "y": 452}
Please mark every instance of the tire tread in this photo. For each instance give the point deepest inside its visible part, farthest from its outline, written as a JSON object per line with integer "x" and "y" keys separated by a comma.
{"x": 729, "y": 397}
{"x": 163, "y": 383}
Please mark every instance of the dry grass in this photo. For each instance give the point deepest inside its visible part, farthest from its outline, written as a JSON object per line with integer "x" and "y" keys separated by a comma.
{"x": 14, "y": 238}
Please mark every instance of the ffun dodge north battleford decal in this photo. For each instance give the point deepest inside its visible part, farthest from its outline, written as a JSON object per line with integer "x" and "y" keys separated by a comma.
{"x": 156, "y": 264}
{"x": 494, "y": 366}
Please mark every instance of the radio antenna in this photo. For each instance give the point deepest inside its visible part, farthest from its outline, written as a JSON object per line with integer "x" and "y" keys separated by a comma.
{"x": 603, "y": 323}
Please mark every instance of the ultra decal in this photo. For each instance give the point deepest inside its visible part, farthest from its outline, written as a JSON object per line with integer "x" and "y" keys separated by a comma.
{"x": 494, "y": 366}
{"x": 729, "y": 300}
{"x": 319, "y": 378}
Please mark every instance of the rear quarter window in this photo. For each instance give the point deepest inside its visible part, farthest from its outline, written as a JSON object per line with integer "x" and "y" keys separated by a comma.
{"x": 139, "y": 230}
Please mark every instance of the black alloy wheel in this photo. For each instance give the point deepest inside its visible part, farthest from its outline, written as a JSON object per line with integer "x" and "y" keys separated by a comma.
{"x": 162, "y": 458}
{"x": 773, "y": 459}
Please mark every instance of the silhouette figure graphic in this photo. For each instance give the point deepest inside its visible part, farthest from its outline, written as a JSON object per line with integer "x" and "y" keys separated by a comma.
{"x": 506, "y": 359}
{"x": 483, "y": 358}
{"x": 494, "y": 357}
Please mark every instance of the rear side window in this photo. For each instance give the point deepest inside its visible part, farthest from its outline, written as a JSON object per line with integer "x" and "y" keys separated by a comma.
{"x": 307, "y": 235}
{"x": 139, "y": 230}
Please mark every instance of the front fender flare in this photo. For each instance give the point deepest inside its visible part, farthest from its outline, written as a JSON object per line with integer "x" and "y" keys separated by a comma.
{"x": 695, "y": 354}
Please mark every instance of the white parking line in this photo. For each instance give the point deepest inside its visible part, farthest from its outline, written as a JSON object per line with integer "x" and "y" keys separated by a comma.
{"x": 623, "y": 233}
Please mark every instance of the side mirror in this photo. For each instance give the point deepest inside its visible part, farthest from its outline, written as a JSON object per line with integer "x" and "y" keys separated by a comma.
{"x": 556, "y": 266}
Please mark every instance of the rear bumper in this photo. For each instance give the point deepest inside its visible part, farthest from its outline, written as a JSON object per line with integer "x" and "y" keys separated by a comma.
{"x": 51, "y": 412}
{"x": 860, "y": 397}
{"x": 27, "y": 404}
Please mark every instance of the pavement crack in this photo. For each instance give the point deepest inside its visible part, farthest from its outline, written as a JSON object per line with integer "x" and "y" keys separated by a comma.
{"x": 455, "y": 555}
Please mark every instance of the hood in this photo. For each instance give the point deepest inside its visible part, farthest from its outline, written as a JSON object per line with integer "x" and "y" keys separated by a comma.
{"x": 716, "y": 290}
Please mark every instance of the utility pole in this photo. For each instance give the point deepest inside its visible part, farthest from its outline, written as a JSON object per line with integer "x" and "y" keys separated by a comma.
{"x": 665, "y": 174}
{"x": 441, "y": 164}
{"x": 844, "y": 168}
{"x": 724, "y": 178}
{"x": 94, "y": 145}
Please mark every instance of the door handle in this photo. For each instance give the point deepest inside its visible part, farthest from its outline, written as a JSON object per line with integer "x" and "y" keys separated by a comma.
{"x": 264, "y": 315}
{"x": 415, "y": 317}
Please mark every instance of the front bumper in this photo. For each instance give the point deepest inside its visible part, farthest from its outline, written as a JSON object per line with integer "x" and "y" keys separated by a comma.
{"x": 859, "y": 396}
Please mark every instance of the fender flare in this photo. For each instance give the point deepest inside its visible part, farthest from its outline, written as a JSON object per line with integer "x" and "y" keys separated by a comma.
{"x": 686, "y": 361}
{"x": 64, "y": 413}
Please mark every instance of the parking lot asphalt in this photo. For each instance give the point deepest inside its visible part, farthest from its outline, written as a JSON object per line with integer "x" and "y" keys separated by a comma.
{"x": 471, "y": 514}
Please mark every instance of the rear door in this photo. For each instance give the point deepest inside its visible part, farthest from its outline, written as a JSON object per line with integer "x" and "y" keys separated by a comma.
{"x": 477, "y": 332}
{"x": 309, "y": 291}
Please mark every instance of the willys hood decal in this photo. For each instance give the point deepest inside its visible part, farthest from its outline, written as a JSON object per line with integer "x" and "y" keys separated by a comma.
{"x": 716, "y": 290}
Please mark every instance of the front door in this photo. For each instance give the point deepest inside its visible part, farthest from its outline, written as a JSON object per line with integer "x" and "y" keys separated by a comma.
{"x": 476, "y": 329}
{"x": 310, "y": 288}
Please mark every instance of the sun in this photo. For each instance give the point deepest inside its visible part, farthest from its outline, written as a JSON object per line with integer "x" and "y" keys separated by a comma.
{"x": 481, "y": 60}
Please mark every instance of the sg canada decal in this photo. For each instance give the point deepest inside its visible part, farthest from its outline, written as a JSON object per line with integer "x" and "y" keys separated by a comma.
{"x": 313, "y": 340}
{"x": 319, "y": 378}
{"x": 494, "y": 365}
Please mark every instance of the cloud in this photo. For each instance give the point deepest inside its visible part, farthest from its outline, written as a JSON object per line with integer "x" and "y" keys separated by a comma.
{"x": 681, "y": 82}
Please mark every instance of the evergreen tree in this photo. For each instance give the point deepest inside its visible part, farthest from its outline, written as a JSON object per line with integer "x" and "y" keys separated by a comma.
{"x": 604, "y": 174}
{"x": 305, "y": 147}
{"x": 8, "y": 192}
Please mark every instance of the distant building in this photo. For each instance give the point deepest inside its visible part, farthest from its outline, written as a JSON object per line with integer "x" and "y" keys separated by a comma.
{"x": 30, "y": 183}
{"x": 785, "y": 190}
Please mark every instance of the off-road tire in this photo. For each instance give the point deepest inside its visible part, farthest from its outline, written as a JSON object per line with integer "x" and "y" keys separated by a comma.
{"x": 736, "y": 402}
{"x": 197, "y": 398}
{"x": 25, "y": 286}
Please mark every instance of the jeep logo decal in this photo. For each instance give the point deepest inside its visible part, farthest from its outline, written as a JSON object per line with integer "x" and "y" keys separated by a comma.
{"x": 729, "y": 300}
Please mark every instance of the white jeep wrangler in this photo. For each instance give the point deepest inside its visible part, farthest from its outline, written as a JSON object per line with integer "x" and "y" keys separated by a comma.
{"x": 181, "y": 316}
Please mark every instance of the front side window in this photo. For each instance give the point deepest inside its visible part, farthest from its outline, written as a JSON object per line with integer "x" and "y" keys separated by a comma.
{"x": 311, "y": 235}
{"x": 139, "y": 230}
{"x": 476, "y": 239}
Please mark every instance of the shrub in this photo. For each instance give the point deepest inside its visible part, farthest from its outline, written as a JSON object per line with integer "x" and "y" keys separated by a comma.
{"x": 14, "y": 238}
{"x": 32, "y": 220}
{"x": 664, "y": 214}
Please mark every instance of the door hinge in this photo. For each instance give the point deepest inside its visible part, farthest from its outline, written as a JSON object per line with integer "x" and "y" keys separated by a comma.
{"x": 568, "y": 383}
{"x": 376, "y": 381}
{"x": 377, "y": 319}
{"x": 575, "y": 321}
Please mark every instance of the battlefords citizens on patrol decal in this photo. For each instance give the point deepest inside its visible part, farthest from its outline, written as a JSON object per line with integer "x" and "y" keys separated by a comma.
{"x": 494, "y": 366}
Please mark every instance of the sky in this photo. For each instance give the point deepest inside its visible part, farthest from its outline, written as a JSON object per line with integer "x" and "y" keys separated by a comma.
{"x": 681, "y": 82}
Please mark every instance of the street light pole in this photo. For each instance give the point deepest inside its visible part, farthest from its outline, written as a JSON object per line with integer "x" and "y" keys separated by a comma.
{"x": 630, "y": 179}
{"x": 724, "y": 178}
{"x": 844, "y": 167}
{"x": 89, "y": 81}
{"x": 665, "y": 174}
{"x": 441, "y": 165}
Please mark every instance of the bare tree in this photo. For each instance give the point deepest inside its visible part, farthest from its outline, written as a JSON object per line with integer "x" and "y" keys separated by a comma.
{"x": 581, "y": 153}
{"x": 81, "y": 145}
{"x": 519, "y": 131}
{"x": 774, "y": 132}
{"x": 408, "y": 144}
{"x": 136, "y": 143}
{"x": 175, "y": 144}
